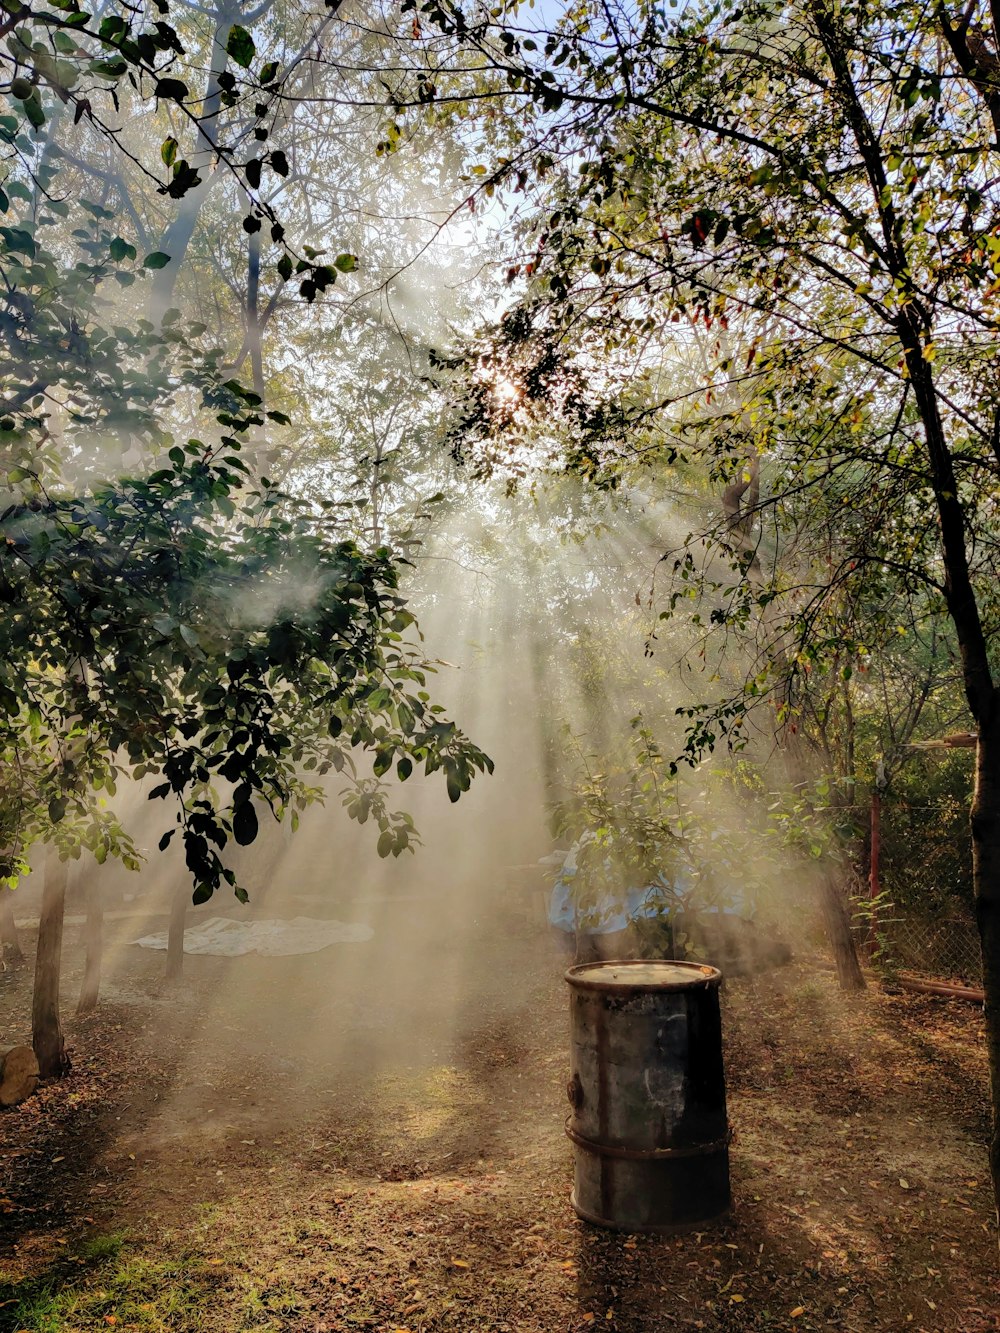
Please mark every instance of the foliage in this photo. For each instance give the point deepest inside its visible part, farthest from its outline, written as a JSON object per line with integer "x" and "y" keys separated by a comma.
{"x": 806, "y": 303}
{"x": 635, "y": 835}
{"x": 926, "y": 862}
{"x": 60, "y": 56}
{"x": 165, "y": 614}
{"x": 618, "y": 821}
{"x": 217, "y": 632}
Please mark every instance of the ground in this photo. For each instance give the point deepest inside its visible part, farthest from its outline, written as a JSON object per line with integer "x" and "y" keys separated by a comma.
{"x": 321, "y": 1145}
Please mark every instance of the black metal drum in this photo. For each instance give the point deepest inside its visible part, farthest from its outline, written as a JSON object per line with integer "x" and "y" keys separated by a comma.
{"x": 648, "y": 1094}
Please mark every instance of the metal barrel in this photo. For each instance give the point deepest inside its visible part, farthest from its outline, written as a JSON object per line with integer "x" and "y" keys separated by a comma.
{"x": 648, "y": 1092}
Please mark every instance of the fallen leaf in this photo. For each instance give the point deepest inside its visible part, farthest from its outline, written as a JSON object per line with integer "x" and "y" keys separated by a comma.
{"x": 799, "y": 1310}
{"x": 904, "y": 1184}
{"x": 459, "y": 1263}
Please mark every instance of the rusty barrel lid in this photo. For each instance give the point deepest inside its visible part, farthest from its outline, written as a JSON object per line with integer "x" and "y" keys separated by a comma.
{"x": 643, "y": 974}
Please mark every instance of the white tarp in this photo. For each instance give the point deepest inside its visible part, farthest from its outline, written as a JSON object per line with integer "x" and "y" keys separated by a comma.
{"x": 228, "y": 936}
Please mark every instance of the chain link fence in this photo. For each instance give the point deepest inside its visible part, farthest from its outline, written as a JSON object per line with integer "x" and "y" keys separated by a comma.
{"x": 945, "y": 949}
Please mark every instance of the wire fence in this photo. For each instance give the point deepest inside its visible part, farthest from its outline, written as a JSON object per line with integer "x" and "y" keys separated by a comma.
{"x": 946, "y": 948}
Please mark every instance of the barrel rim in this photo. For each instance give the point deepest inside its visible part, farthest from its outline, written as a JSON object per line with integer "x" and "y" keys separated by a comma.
{"x": 706, "y": 976}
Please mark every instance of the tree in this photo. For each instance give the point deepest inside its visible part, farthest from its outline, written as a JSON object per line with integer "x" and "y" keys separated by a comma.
{"x": 173, "y": 616}
{"x": 814, "y": 187}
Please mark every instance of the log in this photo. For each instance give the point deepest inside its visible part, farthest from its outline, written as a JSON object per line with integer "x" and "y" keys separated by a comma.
{"x": 948, "y": 989}
{"x": 18, "y": 1075}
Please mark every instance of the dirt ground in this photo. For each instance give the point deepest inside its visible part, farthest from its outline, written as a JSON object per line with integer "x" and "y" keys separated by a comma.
{"x": 314, "y": 1145}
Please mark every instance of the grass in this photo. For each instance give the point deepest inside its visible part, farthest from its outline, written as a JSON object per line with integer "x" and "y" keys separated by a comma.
{"x": 112, "y": 1286}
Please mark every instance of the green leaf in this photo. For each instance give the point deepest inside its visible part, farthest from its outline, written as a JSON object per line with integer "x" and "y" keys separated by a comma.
{"x": 383, "y": 758}
{"x": 245, "y": 824}
{"x": 269, "y": 72}
{"x": 33, "y": 110}
{"x": 108, "y": 69}
{"x": 171, "y": 90}
{"x": 346, "y": 263}
{"x": 168, "y": 150}
{"x": 112, "y": 27}
{"x": 240, "y": 46}
{"x": 156, "y": 260}
{"x": 57, "y": 808}
{"x": 120, "y": 249}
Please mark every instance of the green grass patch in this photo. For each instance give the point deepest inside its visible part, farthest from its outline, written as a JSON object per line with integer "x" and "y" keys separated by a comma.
{"x": 101, "y": 1248}
{"x": 115, "y": 1287}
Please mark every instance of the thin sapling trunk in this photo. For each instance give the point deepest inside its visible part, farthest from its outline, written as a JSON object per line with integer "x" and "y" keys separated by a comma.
{"x": 46, "y": 1029}
{"x": 93, "y": 935}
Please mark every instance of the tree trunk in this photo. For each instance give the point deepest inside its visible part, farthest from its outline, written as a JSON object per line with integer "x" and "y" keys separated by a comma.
{"x": 986, "y": 883}
{"x": 46, "y": 1030}
{"x": 175, "y": 935}
{"x": 93, "y": 935}
{"x": 838, "y": 930}
{"x": 10, "y": 947}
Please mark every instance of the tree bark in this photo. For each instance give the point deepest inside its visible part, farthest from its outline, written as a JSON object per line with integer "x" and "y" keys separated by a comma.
{"x": 175, "y": 935}
{"x": 10, "y": 947}
{"x": 46, "y": 1029}
{"x": 93, "y": 935}
{"x": 838, "y": 929}
{"x": 986, "y": 884}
